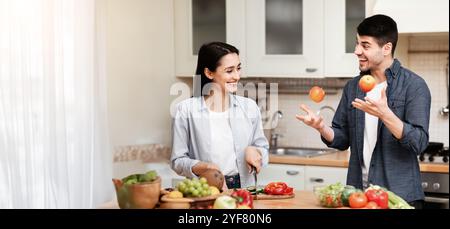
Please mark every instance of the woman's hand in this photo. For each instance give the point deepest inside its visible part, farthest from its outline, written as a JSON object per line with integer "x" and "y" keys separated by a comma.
{"x": 202, "y": 166}
{"x": 253, "y": 158}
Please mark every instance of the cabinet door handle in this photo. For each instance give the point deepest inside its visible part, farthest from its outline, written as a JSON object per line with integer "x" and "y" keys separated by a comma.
{"x": 292, "y": 172}
{"x": 311, "y": 70}
{"x": 316, "y": 180}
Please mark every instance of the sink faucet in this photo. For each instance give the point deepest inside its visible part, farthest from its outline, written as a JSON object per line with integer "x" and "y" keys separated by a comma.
{"x": 326, "y": 107}
{"x": 274, "y": 136}
{"x": 275, "y": 118}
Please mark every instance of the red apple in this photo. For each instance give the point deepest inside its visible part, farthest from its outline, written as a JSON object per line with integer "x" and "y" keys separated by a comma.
{"x": 367, "y": 83}
{"x": 316, "y": 94}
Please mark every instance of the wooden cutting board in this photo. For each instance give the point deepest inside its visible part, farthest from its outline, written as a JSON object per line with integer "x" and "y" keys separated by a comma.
{"x": 272, "y": 197}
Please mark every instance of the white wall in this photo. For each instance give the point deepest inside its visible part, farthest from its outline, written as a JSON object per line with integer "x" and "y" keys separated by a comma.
{"x": 140, "y": 68}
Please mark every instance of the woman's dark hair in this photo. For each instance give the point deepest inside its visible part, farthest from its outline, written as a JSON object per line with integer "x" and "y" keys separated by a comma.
{"x": 209, "y": 56}
{"x": 382, "y": 28}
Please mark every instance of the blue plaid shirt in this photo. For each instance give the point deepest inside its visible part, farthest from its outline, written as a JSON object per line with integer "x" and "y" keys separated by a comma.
{"x": 394, "y": 163}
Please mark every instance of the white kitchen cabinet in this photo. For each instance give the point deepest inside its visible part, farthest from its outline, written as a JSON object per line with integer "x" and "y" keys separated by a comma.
{"x": 293, "y": 175}
{"x": 293, "y": 38}
{"x": 284, "y": 38}
{"x": 322, "y": 175}
{"x": 342, "y": 17}
{"x": 416, "y": 16}
{"x": 201, "y": 21}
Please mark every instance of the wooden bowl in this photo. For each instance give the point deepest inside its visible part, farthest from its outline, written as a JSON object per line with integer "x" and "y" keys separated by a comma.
{"x": 138, "y": 196}
{"x": 187, "y": 202}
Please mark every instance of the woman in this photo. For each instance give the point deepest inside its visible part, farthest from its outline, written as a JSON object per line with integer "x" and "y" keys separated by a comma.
{"x": 217, "y": 129}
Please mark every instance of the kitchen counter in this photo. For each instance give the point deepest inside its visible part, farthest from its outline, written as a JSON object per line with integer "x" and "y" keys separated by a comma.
{"x": 302, "y": 200}
{"x": 340, "y": 159}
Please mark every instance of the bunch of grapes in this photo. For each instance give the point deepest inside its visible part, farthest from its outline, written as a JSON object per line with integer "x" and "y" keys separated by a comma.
{"x": 194, "y": 187}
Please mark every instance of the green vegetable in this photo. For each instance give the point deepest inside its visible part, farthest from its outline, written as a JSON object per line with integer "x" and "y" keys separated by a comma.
{"x": 254, "y": 190}
{"x": 140, "y": 178}
{"x": 148, "y": 177}
{"x": 330, "y": 195}
{"x": 396, "y": 202}
{"x": 348, "y": 190}
{"x": 131, "y": 181}
{"x": 131, "y": 177}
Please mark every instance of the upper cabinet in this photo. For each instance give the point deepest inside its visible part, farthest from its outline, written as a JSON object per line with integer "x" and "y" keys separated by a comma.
{"x": 284, "y": 38}
{"x": 201, "y": 21}
{"x": 342, "y": 17}
{"x": 280, "y": 38}
{"x": 416, "y": 16}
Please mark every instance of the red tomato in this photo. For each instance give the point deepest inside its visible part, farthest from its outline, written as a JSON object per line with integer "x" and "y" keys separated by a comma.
{"x": 380, "y": 197}
{"x": 357, "y": 200}
{"x": 277, "y": 188}
{"x": 288, "y": 191}
{"x": 367, "y": 83}
{"x": 372, "y": 205}
{"x": 316, "y": 94}
{"x": 278, "y": 191}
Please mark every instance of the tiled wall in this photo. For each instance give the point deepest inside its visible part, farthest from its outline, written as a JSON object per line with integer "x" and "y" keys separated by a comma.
{"x": 428, "y": 58}
{"x": 294, "y": 132}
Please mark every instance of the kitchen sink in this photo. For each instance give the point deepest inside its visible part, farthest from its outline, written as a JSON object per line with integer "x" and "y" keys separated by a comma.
{"x": 301, "y": 152}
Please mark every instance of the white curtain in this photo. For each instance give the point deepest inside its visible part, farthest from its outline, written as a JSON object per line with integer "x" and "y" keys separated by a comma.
{"x": 54, "y": 151}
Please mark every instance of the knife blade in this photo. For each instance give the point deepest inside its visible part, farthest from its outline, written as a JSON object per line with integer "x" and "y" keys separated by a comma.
{"x": 256, "y": 181}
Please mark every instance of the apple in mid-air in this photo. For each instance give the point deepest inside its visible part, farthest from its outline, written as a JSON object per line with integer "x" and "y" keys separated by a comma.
{"x": 316, "y": 94}
{"x": 367, "y": 83}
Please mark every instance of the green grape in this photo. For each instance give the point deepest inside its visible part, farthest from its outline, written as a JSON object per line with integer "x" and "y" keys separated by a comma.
{"x": 192, "y": 189}
{"x": 205, "y": 186}
{"x": 197, "y": 185}
{"x": 182, "y": 185}
{"x": 182, "y": 189}
{"x": 203, "y": 180}
{"x": 195, "y": 193}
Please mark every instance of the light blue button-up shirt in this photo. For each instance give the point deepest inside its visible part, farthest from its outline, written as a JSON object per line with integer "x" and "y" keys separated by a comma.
{"x": 191, "y": 137}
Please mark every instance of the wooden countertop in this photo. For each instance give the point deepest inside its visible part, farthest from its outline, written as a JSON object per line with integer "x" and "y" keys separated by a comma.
{"x": 340, "y": 159}
{"x": 302, "y": 200}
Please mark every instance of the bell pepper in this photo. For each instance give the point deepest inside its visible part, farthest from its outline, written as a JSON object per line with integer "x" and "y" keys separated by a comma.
{"x": 278, "y": 188}
{"x": 243, "y": 198}
{"x": 378, "y": 196}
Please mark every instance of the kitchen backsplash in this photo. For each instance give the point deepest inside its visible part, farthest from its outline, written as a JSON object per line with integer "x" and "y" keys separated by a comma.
{"x": 429, "y": 59}
{"x": 294, "y": 132}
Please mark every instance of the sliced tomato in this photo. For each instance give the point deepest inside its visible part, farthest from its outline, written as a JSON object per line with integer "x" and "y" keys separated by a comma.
{"x": 278, "y": 188}
{"x": 278, "y": 191}
{"x": 288, "y": 191}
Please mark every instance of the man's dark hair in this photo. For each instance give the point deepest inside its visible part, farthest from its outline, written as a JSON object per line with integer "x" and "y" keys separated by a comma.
{"x": 382, "y": 28}
{"x": 209, "y": 56}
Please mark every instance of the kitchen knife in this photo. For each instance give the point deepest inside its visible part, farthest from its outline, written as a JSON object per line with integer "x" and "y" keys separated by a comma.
{"x": 256, "y": 181}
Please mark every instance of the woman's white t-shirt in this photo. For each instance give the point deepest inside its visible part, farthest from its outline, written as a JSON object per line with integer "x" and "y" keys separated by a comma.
{"x": 222, "y": 144}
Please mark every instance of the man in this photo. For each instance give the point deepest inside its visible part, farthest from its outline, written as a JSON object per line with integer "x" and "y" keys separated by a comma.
{"x": 386, "y": 128}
